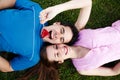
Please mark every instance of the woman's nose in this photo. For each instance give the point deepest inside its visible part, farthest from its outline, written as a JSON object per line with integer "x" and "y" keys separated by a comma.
{"x": 60, "y": 49}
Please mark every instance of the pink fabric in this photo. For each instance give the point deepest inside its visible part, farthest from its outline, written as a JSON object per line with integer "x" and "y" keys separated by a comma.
{"x": 104, "y": 44}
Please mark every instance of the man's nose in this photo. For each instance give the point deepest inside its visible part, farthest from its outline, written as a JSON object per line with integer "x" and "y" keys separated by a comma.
{"x": 58, "y": 35}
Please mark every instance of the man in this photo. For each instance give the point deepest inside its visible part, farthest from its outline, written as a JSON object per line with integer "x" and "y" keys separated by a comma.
{"x": 22, "y": 34}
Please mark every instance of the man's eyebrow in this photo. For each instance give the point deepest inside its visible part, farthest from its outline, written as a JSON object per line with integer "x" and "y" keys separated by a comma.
{"x": 63, "y": 30}
{"x": 63, "y": 40}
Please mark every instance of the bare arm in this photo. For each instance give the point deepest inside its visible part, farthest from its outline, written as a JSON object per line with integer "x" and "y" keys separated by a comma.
{"x": 102, "y": 71}
{"x": 84, "y": 14}
{"x": 73, "y": 4}
{"x": 4, "y": 65}
{"x": 85, "y": 5}
{"x": 6, "y": 3}
{"x": 83, "y": 17}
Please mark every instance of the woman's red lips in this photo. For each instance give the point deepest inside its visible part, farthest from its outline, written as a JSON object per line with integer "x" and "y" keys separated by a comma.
{"x": 44, "y": 33}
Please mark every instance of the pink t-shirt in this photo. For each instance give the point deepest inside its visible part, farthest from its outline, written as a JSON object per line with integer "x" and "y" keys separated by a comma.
{"x": 104, "y": 44}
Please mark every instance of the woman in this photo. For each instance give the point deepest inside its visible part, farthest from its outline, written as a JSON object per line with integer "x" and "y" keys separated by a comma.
{"x": 86, "y": 61}
{"x": 93, "y": 49}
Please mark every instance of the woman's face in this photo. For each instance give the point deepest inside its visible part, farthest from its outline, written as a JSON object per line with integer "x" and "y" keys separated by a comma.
{"x": 58, "y": 53}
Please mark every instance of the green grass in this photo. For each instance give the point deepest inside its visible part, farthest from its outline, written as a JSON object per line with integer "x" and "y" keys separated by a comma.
{"x": 104, "y": 12}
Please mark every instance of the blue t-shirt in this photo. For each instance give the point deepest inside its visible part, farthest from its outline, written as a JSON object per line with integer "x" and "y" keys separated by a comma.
{"x": 20, "y": 33}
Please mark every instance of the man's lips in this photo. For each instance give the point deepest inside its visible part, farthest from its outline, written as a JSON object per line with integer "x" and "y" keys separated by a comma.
{"x": 44, "y": 33}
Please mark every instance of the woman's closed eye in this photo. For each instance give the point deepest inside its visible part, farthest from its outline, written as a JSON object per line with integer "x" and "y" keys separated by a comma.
{"x": 58, "y": 55}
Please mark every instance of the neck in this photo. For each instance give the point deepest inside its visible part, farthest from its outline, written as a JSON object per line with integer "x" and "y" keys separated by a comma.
{"x": 79, "y": 52}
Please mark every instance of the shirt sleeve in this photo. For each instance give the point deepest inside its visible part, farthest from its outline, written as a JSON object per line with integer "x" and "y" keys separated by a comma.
{"x": 97, "y": 57}
{"x": 21, "y": 4}
{"x": 116, "y": 25}
{"x": 20, "y": 63}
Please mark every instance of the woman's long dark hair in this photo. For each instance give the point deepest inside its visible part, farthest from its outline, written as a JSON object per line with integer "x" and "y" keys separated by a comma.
{"x": 45, "y": 70}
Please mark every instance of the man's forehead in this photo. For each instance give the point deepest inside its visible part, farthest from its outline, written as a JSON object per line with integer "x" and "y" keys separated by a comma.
{"x": 68, "y": 34}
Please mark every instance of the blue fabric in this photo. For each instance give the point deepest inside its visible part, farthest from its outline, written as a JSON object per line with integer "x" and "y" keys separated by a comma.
{"x": 20, "y": 33}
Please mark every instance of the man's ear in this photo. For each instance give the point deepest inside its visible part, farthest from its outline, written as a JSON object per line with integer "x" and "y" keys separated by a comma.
{"x": 60, "y": 62}
{"x": 56, "y": 23}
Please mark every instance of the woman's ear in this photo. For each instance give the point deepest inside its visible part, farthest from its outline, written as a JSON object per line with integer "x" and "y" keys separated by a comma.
{"x": 60, "y": 62}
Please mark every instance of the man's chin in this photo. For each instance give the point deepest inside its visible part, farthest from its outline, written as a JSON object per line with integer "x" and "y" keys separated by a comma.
{"x": 47, "y": 40}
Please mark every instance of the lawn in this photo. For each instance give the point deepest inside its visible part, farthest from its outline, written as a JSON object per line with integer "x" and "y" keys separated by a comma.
{"x": 104, "y": 12}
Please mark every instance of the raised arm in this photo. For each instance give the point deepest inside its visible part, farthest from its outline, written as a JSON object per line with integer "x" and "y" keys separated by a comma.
{"x": 5, "y": 65}
{"x": 83, "y": 16}
{"x": 85, "y": 5}
{"x": 6, "y": 3}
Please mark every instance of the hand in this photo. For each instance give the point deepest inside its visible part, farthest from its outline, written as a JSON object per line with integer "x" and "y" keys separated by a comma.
{"x": 48, "y": 14}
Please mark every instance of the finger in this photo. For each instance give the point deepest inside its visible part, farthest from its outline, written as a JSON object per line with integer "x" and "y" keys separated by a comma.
{"x": 42, "y": 14}
{"x": 42, "y": 18}
{"x": 44, "y": 21}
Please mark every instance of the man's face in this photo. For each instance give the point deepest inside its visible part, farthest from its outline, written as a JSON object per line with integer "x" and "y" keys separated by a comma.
{"x": 56, "y": 33}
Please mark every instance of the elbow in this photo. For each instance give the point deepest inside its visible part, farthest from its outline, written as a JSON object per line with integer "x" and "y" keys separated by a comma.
{"x": 82, "y": 72}
{"x": 5, "y": 70}
{"x": 115, "y": 73}
{"x": 11, "y": 3}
